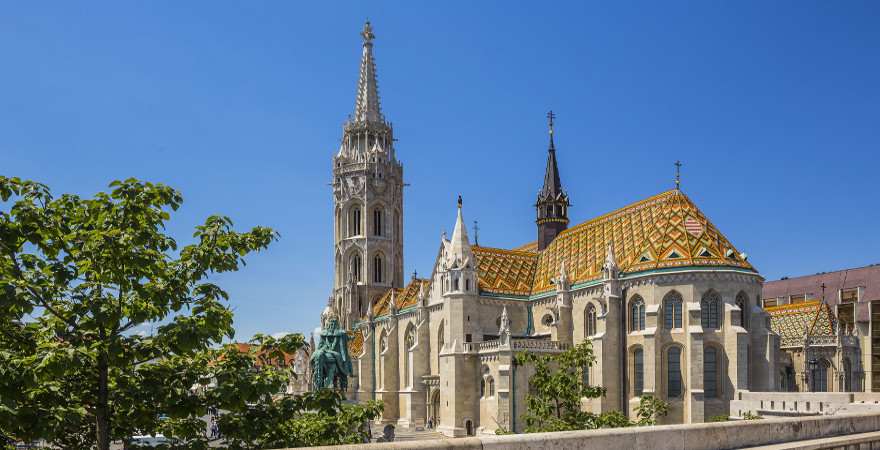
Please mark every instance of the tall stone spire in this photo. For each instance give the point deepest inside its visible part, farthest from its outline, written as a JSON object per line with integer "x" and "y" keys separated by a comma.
{"x": 366, "y": 107}
{"x": 552, "y": 205}
{"x": 367, "y": 201}
{"x": 459, "y": 252}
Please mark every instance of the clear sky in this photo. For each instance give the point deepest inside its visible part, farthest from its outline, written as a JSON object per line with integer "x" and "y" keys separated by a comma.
{"x": 771, "y": 106}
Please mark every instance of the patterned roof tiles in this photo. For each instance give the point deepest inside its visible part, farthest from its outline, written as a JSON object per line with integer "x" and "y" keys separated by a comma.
{"x": 505, "y": 271}
{"x": 793, "y": 321}
{"x": 404, "y": 298}
{"x": 664, "y": 231}
{"x": 355, "y": 343}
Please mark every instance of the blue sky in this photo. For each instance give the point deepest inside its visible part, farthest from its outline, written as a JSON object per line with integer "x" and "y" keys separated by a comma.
{"x": 771, "y": 106}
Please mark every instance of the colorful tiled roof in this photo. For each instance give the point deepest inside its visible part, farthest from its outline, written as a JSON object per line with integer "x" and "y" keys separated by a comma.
{"x": 505, "y": 271}
{"x": 404, "y": 298}
{"x": 793, "y": 321}
{"x": 664, "y": 231}
{"x": 530, "y": 247}
{"x": 355, "y": 343}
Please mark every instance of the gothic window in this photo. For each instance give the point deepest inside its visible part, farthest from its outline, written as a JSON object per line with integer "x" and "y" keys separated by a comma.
{"x": 742, "y": 301}
{"x": 673, "y": 372}
{"x": 491, "y": 387}
{"x": 440, "y": 342}
{"x": 409, "y": 342}
{"x": 638, "y": 372}
{"x": 590, "y": 320}
{"x": 637, "y": 314}
{"x": 378, "y": 216}
{"x": 354, "y": 224}
{"x": 819, "y": 375}
{"x": 710, "y": 372}
{"x": 709, "y": 313}
{"x": 377, "y": 268}
{"x": 356, "y": 267}
{"x": 455, "y": 284}
{"x": 672, "y": 310}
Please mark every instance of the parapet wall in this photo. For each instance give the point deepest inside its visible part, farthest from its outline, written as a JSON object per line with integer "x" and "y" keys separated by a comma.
{"x": 704, "y": 436}
{"x": 803, "y": 403}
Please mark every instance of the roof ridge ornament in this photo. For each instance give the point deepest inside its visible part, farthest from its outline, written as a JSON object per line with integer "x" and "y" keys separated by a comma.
{"x": 678, "y": 175}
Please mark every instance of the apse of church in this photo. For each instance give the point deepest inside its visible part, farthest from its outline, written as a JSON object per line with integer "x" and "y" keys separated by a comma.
{"x": 670, "y": 306}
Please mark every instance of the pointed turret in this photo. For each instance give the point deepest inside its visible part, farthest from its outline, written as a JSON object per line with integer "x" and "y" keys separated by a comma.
{"x": 366, "y": 107}
{"x": 552, "y": 205}
{"x": 458, "y": 249}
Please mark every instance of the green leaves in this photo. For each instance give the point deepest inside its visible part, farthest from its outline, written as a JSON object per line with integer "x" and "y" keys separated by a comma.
{"x": 558, "y": 386}
{"x": 77, "y": 277}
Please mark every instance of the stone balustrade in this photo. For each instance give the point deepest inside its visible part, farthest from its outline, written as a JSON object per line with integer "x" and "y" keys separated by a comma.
{"x": 822, "y": 432}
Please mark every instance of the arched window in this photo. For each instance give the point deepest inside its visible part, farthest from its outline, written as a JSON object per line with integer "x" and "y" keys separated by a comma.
{"x": 356, "y": 267}
{"x": 672, "y": 310}
{"x": 354, "y": 222}
{"x": 709, "y": 313}
{"x": 638, "y": 372}
{"x": 378, "y": 221}
{"x": 383, "y": 346}
{"x": 819, "y": 375}
{"x": 673, "y": 372}
{"x": 742, "y": 301}
{"x": 377, "y": 268}
{"x": 711, "y": 369}
{"x": 482, "y": 387}
{"x": 590, "y": 320}
{"x": 637, "y": 314}
{"x": 491, "y": 387}
{"x": 409, "y": 341}
{"x": 441, "y": 340}
{"x": 455, "y": 283}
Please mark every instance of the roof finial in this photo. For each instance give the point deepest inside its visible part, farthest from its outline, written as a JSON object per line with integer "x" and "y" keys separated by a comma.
{"x": 677, "y": 175}
{"x": 367, "y": 33}
{"x": 476, "y": 234}
{"x": 459, "y": 201}
{"x": 550, "y": 117}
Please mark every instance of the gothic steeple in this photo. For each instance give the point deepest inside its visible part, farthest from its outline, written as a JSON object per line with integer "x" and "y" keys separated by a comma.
{"x": 366, "y": 133}
{"x": 552, "y": 205}
{"x": 366, "y": 107}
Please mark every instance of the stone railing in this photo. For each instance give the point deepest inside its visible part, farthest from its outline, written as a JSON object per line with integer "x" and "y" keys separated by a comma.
{"x": 821, "y": 432}
{"x": 824, "y": 341}
{"x": 534, "y": 344}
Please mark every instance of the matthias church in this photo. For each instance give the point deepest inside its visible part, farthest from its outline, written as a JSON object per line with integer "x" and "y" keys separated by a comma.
{"x": 670, "y": 305}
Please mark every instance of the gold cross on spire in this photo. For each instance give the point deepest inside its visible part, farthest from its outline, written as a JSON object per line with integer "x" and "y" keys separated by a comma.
{"x": 677, "y": 175}
{"x": 550, "y": 117}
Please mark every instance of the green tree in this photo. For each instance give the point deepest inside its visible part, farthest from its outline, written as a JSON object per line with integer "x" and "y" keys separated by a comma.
{"x": 79, "y": 276}
{"x": 556, "y": 389}
{"x": 558, "y": 386}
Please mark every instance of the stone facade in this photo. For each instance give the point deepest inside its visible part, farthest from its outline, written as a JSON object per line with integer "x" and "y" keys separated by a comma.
{"x": 828, "y": 323}
{"x": 669, "y": 305}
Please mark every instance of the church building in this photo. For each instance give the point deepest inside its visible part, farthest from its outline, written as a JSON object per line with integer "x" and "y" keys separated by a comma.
{"x": 671, "y": 307}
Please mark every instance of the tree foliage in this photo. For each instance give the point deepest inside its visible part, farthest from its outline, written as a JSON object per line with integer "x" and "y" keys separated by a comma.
{"x": 78, "y": 277}
{"x": 558, "y": 387}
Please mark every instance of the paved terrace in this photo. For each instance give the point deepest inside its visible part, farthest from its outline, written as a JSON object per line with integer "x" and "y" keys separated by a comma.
{"x": 845, "y": 431}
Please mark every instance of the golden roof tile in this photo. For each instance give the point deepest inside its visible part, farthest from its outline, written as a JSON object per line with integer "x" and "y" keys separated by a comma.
{"x": 663, "y": 231}
{"x": 404, "y": 298}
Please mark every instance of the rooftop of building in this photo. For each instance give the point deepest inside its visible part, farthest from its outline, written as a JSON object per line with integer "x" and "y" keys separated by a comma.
{"x": 663, "y": 231}
{"x": 866, "y": 278}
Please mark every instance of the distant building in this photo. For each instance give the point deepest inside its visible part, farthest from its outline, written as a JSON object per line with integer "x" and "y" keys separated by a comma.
{"x": 829, "y": 325}
{"x": 669, "y": 304}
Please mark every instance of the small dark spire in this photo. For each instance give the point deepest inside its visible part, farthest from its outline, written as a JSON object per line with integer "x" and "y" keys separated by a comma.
{"x": 677, "y": 175}
{"x": 459, "y": 200}
{"x": 552, "y": 205}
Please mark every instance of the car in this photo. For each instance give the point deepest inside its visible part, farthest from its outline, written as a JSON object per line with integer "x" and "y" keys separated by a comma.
{"x": 149, "y": 441}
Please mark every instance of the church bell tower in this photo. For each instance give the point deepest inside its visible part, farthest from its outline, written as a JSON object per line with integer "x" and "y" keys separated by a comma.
{"x": 552, "y": 205}
{"x": 367, "y": 201}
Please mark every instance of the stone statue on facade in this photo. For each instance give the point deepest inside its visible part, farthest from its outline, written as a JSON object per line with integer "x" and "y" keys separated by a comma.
{"x": 330, "y": 363}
